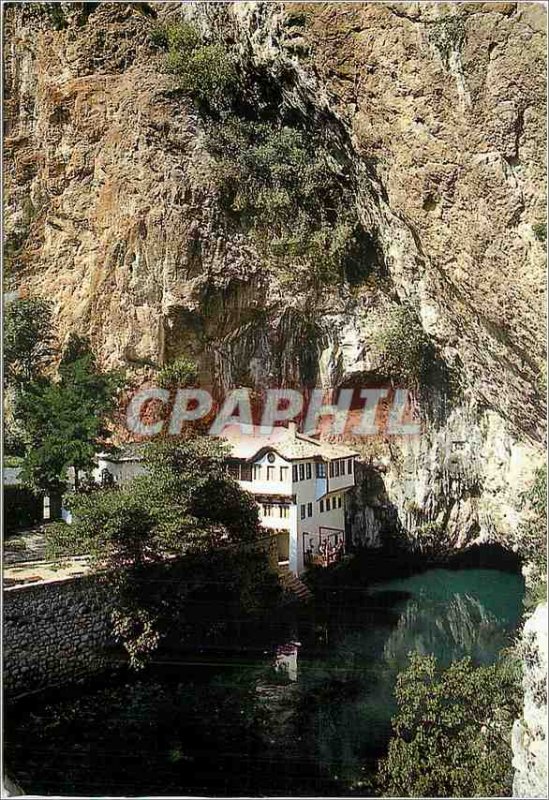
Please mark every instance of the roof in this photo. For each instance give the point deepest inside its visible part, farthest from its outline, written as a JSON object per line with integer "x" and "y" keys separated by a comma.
{"x": 132, "y": 451}
{"x": 247, "y": 442}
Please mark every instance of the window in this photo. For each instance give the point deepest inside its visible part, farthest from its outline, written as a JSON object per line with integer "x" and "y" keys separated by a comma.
{"x": 327, "y": 504}
{"x": 294, "y": 473}
{"x": 302, "y": 472}
{"x": 246, "y": 472}
{"x": 337, "y": 469}
{"x": 270, "y": 473}
{"x": 302, "y": 512}
{"x": 321, "y": 470}
{"x": 283, "y": 474}
{"x": 339, "y": 502}
{"x": 268, "y": 510}
{"x": 309, "y": 471}
{"x": 321, "y": 506}
{"x": 331, "y": 469}
{"x": 309, "y": 509}
{"x": 350, "y": 466}
{"x": 257, "y": 472}
{"x": 343, "y": 467}
{"x": 233, "y": 468}
{"x": 284, "y": 512}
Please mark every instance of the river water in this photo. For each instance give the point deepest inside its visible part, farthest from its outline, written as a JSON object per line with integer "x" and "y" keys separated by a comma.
{"x": 301, "y": 707}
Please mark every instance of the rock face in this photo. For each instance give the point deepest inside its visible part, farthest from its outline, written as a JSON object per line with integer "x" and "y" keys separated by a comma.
{"x": 437, "y": 112}
{"x": 530, "y": 732}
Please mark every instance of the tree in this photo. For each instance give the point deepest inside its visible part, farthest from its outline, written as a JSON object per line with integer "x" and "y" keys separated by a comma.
{"x": 168, "y": 533}
{"x": 452, "y": 731}
{"x": 28, "y": 339}
{"x": 64, "y": 419}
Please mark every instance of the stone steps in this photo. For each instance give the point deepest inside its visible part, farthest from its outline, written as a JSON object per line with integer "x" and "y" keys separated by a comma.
{"x": 291, "y": 584}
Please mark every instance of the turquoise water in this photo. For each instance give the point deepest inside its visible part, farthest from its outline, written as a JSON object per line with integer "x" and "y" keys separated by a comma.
{"x": 214, "y": 722}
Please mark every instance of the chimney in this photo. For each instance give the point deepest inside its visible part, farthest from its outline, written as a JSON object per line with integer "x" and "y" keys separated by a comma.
{"x": 292, "y": 429}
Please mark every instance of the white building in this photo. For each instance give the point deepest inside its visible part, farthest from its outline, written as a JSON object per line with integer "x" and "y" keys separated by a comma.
{"x": 300, "y": 485}
{"x": 119, "y": 466}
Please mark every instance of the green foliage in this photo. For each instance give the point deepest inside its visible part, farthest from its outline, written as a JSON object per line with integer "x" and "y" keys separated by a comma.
{"x": 206, "y": 71}
{"x": 540, "y": 231}
{"x": 28, "y": 339}
{"x": 64, "y": 420}
{"x": 447, "y": 35}
{"x": 401, "y": 347}
{"x": 181, "y": 372}
{"x": 185, "y": 505}
{"x": 284, "y": 187}
{"x": 452, "y": 730}
{"x": 532, "y": 537}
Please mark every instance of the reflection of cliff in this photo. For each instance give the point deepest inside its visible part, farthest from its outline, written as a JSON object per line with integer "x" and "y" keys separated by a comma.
{"x": 462, "y": 626}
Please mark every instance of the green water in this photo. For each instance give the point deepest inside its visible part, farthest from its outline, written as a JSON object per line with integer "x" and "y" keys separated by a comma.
{"x": 213, "y": 722}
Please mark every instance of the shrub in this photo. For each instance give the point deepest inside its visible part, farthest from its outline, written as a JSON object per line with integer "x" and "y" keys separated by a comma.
{"x": 540, "y": 231}
{"x": 284, "y": 187}
{"x": 447, "y": 35}
{"x": 181, "y": 372}
{"x": 205, "y": 70}
{"x": 401, "y": 347}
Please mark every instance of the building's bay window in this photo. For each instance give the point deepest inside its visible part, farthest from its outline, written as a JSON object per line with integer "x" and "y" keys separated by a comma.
{"x": 321, "y": 469}
{"x": 350, "y": 466}
{"x": 309, "y": 471}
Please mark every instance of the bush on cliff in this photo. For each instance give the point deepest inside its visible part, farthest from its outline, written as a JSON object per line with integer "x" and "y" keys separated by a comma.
{"x": 206, "y": 71}
{"x": 286, "y": 189}
{"x": 401, "y": 348}
{"x": 452, "y": 730}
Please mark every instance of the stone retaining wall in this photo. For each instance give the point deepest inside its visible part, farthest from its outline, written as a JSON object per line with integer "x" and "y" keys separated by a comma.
{"x": 55, "y": 633}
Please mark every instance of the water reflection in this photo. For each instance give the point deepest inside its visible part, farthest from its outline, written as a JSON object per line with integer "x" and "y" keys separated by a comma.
{"x": 309, "y": 717}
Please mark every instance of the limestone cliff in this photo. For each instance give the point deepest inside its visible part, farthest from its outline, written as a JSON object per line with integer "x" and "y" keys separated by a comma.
{"x": 436, "y": 113}
{"x": 530, "y": 732}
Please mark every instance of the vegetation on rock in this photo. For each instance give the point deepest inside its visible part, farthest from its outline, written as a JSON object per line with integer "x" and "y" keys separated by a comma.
{"x": 401, "y": 347}
{"x": 207, "y": 71}
{"x": 181, "y": 372}
{"x": 532, "y": 538}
